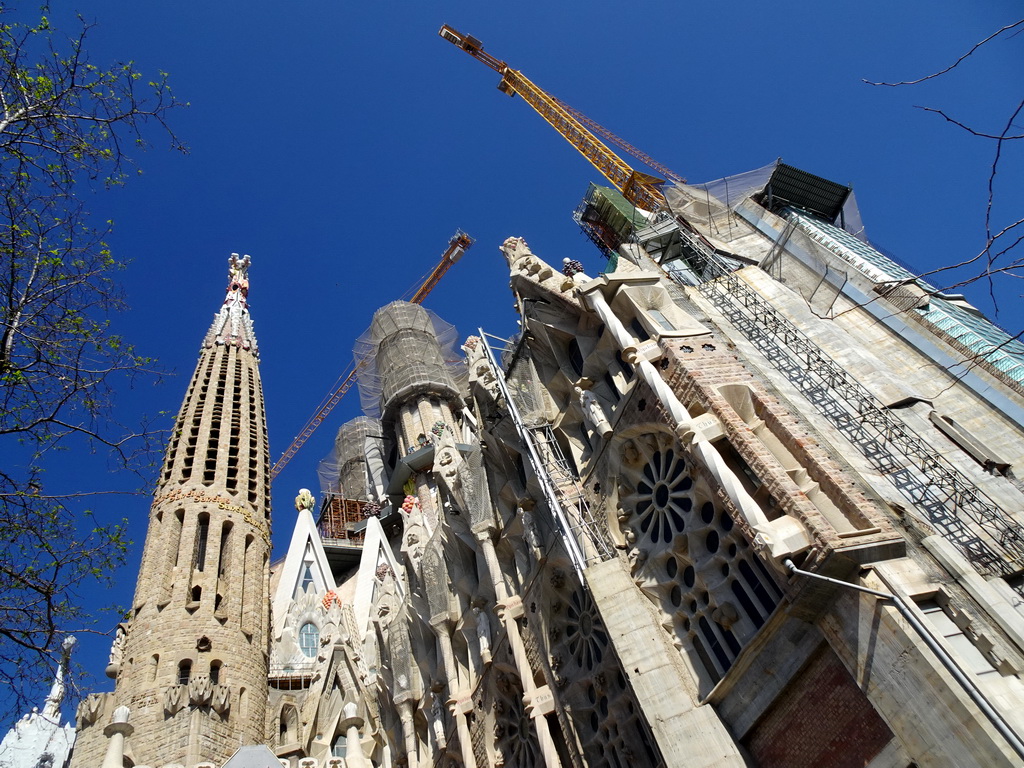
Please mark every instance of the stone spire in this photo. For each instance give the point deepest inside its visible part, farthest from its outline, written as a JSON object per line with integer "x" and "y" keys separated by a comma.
{"x": 191, "y": 665}
{"x": 51, "y": 709}
{"x": 39, "y": 738}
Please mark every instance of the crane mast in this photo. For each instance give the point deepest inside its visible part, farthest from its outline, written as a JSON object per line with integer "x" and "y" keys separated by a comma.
{"x": 639, "y": 188}
{"x": 621, "y": 143}
{"x": 457, "y": 246}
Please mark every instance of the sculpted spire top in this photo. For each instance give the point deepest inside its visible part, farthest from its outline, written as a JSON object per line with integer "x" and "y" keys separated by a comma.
{"x": 232, "y": 325}
{"x": 238, "y": 279}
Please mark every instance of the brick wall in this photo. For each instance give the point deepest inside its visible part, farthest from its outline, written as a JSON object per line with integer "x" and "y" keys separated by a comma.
{"x": 821, "y": 719}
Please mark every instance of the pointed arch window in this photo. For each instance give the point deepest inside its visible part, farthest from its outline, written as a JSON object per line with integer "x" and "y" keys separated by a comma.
{"x": 202, "y": 538}
{"x": 307, "y": 577}
{"x": 576, "y": 357}
{"x": 184, "y": 671}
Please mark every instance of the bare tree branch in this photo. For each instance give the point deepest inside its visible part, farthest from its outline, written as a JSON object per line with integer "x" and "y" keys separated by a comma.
{"x": 997, "y": 257}
{"x": 952, "y": 66}
{"x": 967, "y": 128}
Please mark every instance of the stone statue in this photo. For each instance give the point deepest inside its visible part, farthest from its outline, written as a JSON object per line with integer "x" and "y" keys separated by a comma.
{"x": 437, "y": 720}
{"x": 446, "y": 468}
{"x": 530, "y": 532}
{"x": 479, "y": 368}
{"x": 483, "y": 633}
{"x": 117, "y": 650}
{"x": 593, "y": 412}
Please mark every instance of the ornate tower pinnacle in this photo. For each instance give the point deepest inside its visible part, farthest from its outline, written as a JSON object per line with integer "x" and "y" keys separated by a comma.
{"x": 51, "y": 709}
{"x": 192, "y": 665}
{"x": 232, "y": 325}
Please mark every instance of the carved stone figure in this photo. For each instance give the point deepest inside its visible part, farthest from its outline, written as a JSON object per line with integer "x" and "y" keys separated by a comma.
{"x": 446, "y": 467}
{"x": 483, "y": 633}
{"x": 530, "y": 532}
{"x": 593, "y": 412}
{"x": 117, "y": 650}
{"x": 437, "y": 720}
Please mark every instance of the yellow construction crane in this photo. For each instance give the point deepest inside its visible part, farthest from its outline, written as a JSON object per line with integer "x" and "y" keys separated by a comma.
{"x": 621, "y": 143}
{"x": 458, "y": 245}
{"x": 639, "y": 188}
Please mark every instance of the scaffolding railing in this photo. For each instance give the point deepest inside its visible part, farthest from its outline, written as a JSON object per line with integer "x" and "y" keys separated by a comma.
{"x": 338, "y": 519}
{"x": 583, "y": 540}
{"x": 955, "y": 505}
{"x": 570, "y": 493}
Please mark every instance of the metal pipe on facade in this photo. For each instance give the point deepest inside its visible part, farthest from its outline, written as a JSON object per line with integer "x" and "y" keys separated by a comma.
{"x": 928, "y": 635}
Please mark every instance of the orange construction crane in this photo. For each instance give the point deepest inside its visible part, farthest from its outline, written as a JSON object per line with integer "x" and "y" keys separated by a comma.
{"x": 639, "y": 188}
{"x": 457, "y": 246}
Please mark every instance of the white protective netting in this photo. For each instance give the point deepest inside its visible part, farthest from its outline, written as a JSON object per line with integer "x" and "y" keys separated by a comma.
{"x": 356, "y": 465}
{"x": 711, "y": 203}
{"x": 528, "y": 391}
{"x": 407, "y": 349}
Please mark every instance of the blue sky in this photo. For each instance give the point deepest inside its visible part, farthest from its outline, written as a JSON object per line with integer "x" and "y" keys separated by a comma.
{"x": 341, "y": 144}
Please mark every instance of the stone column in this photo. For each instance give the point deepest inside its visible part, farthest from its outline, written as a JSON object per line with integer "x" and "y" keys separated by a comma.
{"x": 405, "y": 712}
{"x": 781, "y": 537}
{"x": 351, "y": 722}
{"x": 117, "y": 731}
{"x": 424, "y": 492}
{"x": 493, "y": 567}
{"x": 407, "y": 434}
{"x": 455, "y": 694}
{"x": 538, "y": 701}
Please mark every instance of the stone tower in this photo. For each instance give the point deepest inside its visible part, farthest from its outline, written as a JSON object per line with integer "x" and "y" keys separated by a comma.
{"x": 191, "y": 664}
{"x": 417, "y": 389}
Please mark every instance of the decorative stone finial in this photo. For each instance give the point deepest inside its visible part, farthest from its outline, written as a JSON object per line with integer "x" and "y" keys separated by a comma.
{"x": 116, "y": 731}
{"x": 238, "y": 274}
{"x": 571, "y": 267}
{"x": 304, "y": 500}
{"x": 232, "y": 325}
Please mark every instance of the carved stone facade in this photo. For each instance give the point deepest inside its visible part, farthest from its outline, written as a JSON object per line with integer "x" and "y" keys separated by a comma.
{"x": 609, "y": 548}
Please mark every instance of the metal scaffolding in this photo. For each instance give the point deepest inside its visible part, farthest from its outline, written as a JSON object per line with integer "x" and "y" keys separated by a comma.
{"x": 584, "y": 541}
{"x": 955, "y": 506}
